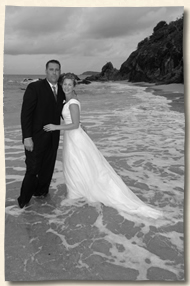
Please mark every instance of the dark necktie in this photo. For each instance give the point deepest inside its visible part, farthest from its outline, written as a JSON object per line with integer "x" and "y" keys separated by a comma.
{"x": 54, "y": 91}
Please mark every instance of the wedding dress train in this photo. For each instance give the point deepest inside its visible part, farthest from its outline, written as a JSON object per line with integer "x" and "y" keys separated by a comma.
{"x": 88, "y": 174}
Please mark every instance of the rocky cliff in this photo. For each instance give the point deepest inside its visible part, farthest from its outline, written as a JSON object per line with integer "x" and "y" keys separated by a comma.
{"x": 158, "y": 58}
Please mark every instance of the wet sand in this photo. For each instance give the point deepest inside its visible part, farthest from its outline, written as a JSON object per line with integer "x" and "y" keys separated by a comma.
{"x": 45, "y": 242}
{"x": 173, "y": 92}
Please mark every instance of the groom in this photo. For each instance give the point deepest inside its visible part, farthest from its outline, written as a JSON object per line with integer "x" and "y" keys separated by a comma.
{"x": 42, "y": 104}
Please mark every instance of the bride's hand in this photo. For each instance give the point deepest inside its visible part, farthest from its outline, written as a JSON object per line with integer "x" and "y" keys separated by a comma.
{"x": 50, "y": 127}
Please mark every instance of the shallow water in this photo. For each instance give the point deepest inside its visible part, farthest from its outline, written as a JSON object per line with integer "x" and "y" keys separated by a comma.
{"x": 144, "y": 142}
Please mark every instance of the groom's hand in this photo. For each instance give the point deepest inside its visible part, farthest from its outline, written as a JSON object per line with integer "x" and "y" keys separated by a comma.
{"x": 28, "y": 144}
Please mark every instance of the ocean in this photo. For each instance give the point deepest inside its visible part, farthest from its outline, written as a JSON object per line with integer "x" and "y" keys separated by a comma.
{"x": 143, "y": 139}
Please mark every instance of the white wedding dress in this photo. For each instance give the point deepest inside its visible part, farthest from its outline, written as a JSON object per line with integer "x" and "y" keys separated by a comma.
{"x": 87, "y": 173}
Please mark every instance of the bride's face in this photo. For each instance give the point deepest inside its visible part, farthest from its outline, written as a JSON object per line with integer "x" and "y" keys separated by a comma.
{"x": 68, "y": 86}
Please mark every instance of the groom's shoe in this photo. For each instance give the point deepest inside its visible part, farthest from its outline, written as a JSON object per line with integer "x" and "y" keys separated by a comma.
{"x": 22, "y": 205}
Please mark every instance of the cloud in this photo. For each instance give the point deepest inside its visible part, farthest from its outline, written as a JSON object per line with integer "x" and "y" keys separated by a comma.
{"x": 35, "y": 21}
{"x": 109, "y": 33}
{"x": 36, "y": 30}
{"x": 123, "y": 21}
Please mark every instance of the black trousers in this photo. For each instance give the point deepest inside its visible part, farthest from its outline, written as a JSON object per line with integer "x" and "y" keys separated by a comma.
{"x": 39, "y": 170}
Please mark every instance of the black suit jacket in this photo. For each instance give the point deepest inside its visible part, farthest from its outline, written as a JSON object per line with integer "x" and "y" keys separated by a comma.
{"x": 39, "y": 108}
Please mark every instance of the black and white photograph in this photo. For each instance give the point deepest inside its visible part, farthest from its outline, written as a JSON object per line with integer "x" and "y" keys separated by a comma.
{"x": 94, "y": 142}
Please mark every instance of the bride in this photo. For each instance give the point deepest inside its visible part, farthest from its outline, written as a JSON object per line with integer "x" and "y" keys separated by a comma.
{"x": 86, "y": 172}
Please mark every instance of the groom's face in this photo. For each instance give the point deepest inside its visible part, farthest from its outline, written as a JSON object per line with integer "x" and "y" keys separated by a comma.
{"x": 53, "y": 72}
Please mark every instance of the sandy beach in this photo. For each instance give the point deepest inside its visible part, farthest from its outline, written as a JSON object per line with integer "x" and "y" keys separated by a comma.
{"x": 174, "y": 92}
{"x": 91, "y": 242}
{"x": 67, "y": 244}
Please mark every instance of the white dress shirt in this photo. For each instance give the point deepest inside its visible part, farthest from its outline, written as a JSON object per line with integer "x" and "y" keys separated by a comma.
{"x": 56, "y": 86}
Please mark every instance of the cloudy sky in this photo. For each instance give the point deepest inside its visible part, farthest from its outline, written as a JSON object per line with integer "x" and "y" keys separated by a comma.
{"x": 81, "y": 38}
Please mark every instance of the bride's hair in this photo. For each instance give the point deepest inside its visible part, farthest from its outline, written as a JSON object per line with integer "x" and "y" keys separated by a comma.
{"x": 67, "y": 76}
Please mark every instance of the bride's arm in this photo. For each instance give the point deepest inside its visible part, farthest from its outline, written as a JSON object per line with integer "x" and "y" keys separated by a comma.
{"x": 75, "y": 117}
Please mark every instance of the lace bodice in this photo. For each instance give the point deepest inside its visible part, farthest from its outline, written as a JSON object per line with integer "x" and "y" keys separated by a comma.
{"x": 66, "y": 111}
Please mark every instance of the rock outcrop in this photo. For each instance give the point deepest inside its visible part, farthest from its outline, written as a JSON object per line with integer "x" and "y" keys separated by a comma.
{"x": 108, "y": 73}
{"x": 157, "y": 59}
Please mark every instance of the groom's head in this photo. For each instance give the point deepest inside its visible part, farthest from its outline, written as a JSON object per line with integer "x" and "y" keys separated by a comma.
{"x": 53, "y": 71}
